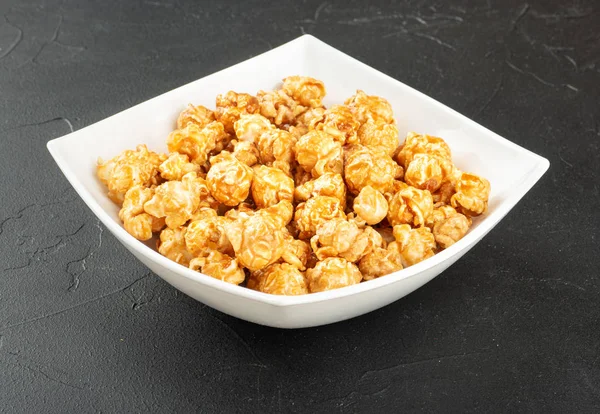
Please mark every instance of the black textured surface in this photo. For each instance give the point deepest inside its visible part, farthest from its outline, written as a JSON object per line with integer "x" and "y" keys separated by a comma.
{"x": 513, "y": 326}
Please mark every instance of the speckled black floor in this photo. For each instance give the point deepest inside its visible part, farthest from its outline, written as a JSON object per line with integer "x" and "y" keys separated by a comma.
{"x": 513, "y": 326}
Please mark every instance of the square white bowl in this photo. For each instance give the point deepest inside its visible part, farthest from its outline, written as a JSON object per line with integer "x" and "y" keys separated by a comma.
{"x": 475, "y": 149}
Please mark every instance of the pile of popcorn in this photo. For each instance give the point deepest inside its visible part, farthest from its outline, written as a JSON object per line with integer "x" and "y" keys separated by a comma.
{"x": 287, "y": 197}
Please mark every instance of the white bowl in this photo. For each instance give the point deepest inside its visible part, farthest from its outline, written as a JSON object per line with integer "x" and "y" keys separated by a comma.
{"x": 511, "y": 170}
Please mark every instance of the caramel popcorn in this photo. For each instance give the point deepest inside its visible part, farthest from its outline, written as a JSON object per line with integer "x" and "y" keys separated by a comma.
{"x": 318, "y": 153}
{"x": 176, "y": 166}
{"x": 298, "y": 197}
{"x": 279, "y": 279}
{"x": 415, "y": 245}
{"x": 138, "y": 223}
{"x": 367, "y": 107}
{"x": 206, "y": 234}
{"x": 219, "y": 266}
{"x": 229, "y": 180}
{"x": 422, "y": 144}
{"x": 306, "y": 91}
{"x": 472, "y": 193}
{"x": 332, "y": 273}
{"x": 329, "y": 184}
{"x": 196, "y": 142}
{"x": 276, "y": 149}
{"x": 410, "y": 206}
{"x": 231, "y": 106}
{"x": 177, "y": 201}
{"x": 315, "y": 211}
{"x": 258, "y": 239}
{"x": 370, "y": 205}
{"x": 364, "y": 167}
{"x": 380, "y": 262}
{"x": 270, "y": 186}
{"x": 172, "y": 245}
{"x": 338, "y": 122}
{"x": 448, "y": 226}
{"x": 199, "y": 115}
{"x": 130, "y": 168}
{"x": 379, "y": 136}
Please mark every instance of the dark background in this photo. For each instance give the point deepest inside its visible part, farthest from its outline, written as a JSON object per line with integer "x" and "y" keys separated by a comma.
{"x": 513, "y": 326}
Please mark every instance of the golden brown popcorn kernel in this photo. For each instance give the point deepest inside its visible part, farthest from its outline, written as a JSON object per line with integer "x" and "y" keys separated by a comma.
{"x": 296, "y": 252}
{"x": 276, "y": 149}
{"x": 344, "y": 238}
{"x": 379, "y": 137}
{"x": 448, "y": 226}
{"x": 428, "y": 172}
{"x": 199, "y": 115}
{"x": 176, "y": 166}
{"x": 422, "y": 144}
{"x": 410, "y": 206}
{"x": 251, "y": 126}
{"x": 219, "y": 266}
{"x": 245, "y": 151}
{"x": 372, "y": 107}
{"x": 280, "y": 108}
{"x": 318, "y": 153}
{"x": 332, "y": 273}
{"x": 329, "y": 184}
{"x": 370, "y": 205}
{"x": 364, "y": 167}
{"x": 229, "y": 180}
{"x": 231, "y": 106}
{"x": 271, "y": 185}
{"x": 128, "y": 169}
{"x": 206, "y": 234}
{"x": 415, "y": 245}
{"x": 177, "y": 201}
{"x": 380, "y": 262}
{"x": 196, "y": 142}
{"x": 338, "y": 122}
{"x": 305, "y": 90}
{"x": 172, "y": 245}
{"x": 138, "y": 223}
{"x": 472, "y": 194}
{"x": 315, "y": 211}
{"x": 279, "y": 279}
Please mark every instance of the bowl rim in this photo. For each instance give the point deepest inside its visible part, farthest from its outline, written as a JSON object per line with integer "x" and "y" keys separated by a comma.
{"x": 539, "y": 166}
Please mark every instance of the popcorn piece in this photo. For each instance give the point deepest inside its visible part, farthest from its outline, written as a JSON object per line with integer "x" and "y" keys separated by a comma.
{"x": 379, "y": 136}
{"x": 138, "y": 223}
{"x": 422, "y": 144}
{"x": 410, "y": 206}
{"x": 219, "y": 266}
{"x": 343, "y": 238}
{"x": 332, "y": 273}
{"x": 250, "y": 127}
{"x": 177, "y": 201}
{"x": 232, "y": 105}
{"x": 372, "y": 107}
{"x": 329, "y": 184}
{"x": 245, "y": 151}
{"x": 229, "y": 180}
{"x": 472, "y": 194}
{"x": 196, "y": 142}
{"x": 296, "y": 252}
{"x": 315, "y": 211}
{"x": 172, "y": 245}
{"x": 198, "y": 115}
{"x": 448, "y": 226}
{"x": 128, "y": 169}
{"x": 318, "y": 153}
{"x": 370, "y": 205}
{"x": 276, "y": 149}
{"x": 258, "y": 239}
{"x": 245, "y": 208}
{"x": 364, "y": 167}
{"x": 206, "y": 234}
{"x": 303, "y": 121}
{"x": 444, "y": 194}
{"x": 305, "y": 90}
{"x": 176, "y": 166}
{"x": 279, "y": 279}
{"x": 279, "y": 107}
{"x": 338, "y": 122}
{"x": 270, "y": 186}
{"x": 414, "y": 245}
{"x": 380, "y": 262}
{"x": 428, "y": 172}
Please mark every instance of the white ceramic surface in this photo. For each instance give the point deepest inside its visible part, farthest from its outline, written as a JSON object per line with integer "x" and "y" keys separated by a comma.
{"x": 474, "y": 149}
